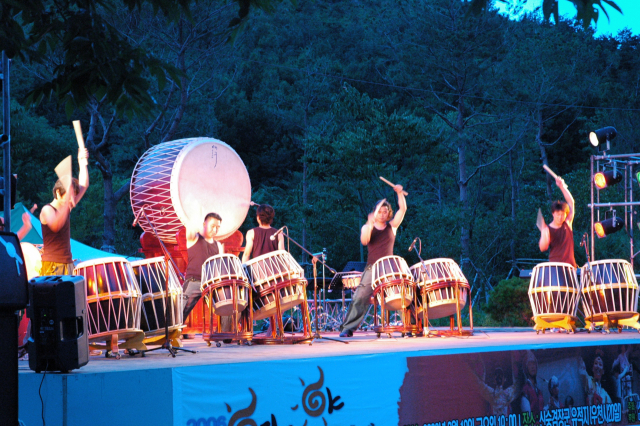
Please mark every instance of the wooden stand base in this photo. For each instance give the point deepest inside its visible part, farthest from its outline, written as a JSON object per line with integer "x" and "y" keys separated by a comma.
{"x": 241, "y": 322}
{"x": 608, "y": 321}
{"x": 111, "y": 346}
{"x": 543, "y": 322}
{"x": 406, "y": 313}
{"x": 157, "y": 337}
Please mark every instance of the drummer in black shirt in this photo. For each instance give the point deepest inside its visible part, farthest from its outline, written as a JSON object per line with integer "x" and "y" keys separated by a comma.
{"x": 259, "y": 238}
{"x": 379, "y": 234}
{"x": 557, "y": 237}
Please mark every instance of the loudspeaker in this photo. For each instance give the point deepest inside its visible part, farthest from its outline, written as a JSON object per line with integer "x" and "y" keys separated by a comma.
{"x": 13, "y": 278}
{"x": 58, "y": 312}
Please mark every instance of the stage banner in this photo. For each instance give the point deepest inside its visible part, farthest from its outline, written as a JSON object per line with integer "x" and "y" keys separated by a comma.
{"x": 575, "y": 386}
{"x": 354, "y": 390}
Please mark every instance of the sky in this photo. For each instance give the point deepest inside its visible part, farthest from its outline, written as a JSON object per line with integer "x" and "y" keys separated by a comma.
{"x": 616, "y": 22}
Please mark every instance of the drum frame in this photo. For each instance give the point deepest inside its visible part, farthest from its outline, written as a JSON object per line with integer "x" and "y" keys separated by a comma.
{"x": 458, "y": 286}
{"x": 614, "y": 319}
{"x": 213, "y": 331}
{"x": 543, "y": 321}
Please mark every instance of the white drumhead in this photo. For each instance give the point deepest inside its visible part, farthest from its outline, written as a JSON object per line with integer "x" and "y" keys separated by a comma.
{"x": 209, "y": 176}
{"x": 32, "y": 259}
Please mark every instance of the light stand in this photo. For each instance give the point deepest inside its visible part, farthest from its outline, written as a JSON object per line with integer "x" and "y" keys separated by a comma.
{"x": 316, "y": 335}
{"x": 167, "y": 258}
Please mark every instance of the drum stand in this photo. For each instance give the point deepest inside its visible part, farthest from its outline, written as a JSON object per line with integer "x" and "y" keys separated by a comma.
{"x": 385, "y": 326}
{"x": 168, "y": 339}
{"x": 425, "y": 315}
{"x": 245, "y": 317}
{"x": 316, "y": 335}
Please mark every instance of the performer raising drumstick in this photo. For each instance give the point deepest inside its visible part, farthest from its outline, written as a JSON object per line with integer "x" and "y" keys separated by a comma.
{"x": 259, "y": 238}
{"x": 557, "y": 237}
{"x": 55, "y": 219}
{"x": 379, "y": 234}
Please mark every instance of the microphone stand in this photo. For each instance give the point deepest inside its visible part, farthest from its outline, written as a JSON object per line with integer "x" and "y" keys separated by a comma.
{"x": 167, "y": 258}
{"x": 425, "y": 317}
{"x": 316, "y": 335}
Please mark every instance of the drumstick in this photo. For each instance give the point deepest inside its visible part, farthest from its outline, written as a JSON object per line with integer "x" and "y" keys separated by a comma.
{"x": 540, "y": 221}
{"x": 553, "y": 175}
{"x": 391, "y": 184}
{"x": 375, "y": 213}
{"x": 63, "y": 170}
{"x": 79, "y": 137}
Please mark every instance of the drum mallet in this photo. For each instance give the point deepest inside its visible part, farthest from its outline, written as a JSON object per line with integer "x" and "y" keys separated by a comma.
{"x": 392, "y": 185}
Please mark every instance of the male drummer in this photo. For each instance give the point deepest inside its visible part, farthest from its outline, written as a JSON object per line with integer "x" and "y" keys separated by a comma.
{"x": 557, "y": 237}
{"x": 56, "y": 221}
{"x": 200, "y": 247}
{"x": 379, "y": 234}
{"x": 259, "y": 238}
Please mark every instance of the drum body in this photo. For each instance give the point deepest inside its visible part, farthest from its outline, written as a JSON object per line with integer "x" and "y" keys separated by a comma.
{"x": 610, "y": 289}
{"x": 351, "y": 280}
{"x": 179, "y": 182}
{"x": 554, "y": 291}
{"x": 218, "y": 272}
{"x": 277, "y": 269}
{"x": 394, "y": 273}
{"x": 32, "y": 259}
{"x": 151, "y": 276}
{"x": 113, "y": 296}
{"x": 439, "y": 277}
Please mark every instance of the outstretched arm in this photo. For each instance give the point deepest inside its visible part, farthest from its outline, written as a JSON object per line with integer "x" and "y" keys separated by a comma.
{"x": 402, "y": 207}
{"x": 83, "y": 177}
{"x": 569, "y": 199}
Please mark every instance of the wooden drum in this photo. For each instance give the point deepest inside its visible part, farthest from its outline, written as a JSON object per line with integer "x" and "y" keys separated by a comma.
{"x": 610, "y": 291}
{"x": 151, "y": 275}
{"x": 439, "y": 278}
{"x": 277, "y": 269}
{"x": 218, "y": 274}
{"x": 394, "y": 273}
{"x": 351, "y": 280}
{"x": 554, "y": 292}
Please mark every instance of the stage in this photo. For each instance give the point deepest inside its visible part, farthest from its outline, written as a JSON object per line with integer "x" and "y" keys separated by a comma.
{"x": 370, "y": 381}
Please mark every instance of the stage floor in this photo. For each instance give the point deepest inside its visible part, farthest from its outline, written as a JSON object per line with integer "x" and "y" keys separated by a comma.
{"x": 203, "y": 388}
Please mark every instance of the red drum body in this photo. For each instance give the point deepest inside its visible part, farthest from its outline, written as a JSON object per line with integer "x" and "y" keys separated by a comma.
{"x": 113, "y": 297}
{"x": 179, "y": 182}
{"x": 351, "y": 280}
{"x": 554, "y": 291}
{"x": 394, "y": 273}
{"x": 611, "y": 289}
{"x": 439, "y": 278}
{"x": 151, "y": 276}
{"x": 218, "y": 273}
{"x": 271, "y": 271}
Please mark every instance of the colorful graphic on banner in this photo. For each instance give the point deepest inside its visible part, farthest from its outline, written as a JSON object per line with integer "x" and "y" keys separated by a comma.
{"x": 584, "y": 386}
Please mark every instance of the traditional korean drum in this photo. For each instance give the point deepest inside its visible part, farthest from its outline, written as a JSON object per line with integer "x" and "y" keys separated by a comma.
{"x": 179, "y": 182}
{"x": 113, "y": 297}
{"x": 439, "y": 277}
{"x": 554, "y": 291}
{"x": 151, "y": 276}
{"x": 271, "y": 270}
{"x": 611, "y": 288}
{"x": 351, "y": 280}
{"x": 394, "y": 273}
{"x": 218, "y": 274}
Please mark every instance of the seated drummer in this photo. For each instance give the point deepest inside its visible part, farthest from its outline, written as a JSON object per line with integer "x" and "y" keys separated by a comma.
{"x": 201, "y": 246}
{"x": 557, "y": 237}
{"x": 379, "y": 234}
{"x": 259, "y": 238}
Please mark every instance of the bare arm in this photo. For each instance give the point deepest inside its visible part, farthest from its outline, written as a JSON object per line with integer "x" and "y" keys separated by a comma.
{"x": 246, "y": 255}
{"x": 402, "y": 207}
{"x": 192, "y": 236}
{"x": 55, "y": 219}
{"x": 26, "y": 226}
{"x": 569, "y": 199}
{"x": 280, "y": 242}
{"x": 367, "y": 228}
{"x": 545, "y": 239}
{"x": 83, "y": 177}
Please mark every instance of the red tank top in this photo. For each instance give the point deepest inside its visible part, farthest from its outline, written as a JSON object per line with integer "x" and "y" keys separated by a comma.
{"x": 57, "y": 245}
{"x": 380, "y": 244}
{"x": 561, "y": 245}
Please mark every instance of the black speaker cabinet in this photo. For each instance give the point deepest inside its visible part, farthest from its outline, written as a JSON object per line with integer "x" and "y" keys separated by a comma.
{"x": 58, "y": 312}
{"x": 13, "y": 273}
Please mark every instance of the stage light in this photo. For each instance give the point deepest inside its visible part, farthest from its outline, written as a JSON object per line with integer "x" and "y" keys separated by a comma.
{"x": 605, "y": 179}
{"x": 608, "y": 226}
{"x": 600, "y": 136}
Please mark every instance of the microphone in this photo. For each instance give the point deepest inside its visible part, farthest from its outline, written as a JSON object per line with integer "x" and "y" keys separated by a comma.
{"x": 135, "y": 221}
{"x": 413, "y": 244}
{"x": 279, "y": 231}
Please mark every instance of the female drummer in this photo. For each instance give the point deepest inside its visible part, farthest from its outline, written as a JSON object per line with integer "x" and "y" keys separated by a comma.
{"x": 379, "y": 234}
{"x": 557, "y": 237}
{"x": 259, "y": 238}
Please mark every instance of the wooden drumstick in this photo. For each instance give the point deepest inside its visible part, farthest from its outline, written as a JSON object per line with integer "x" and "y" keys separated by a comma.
{"x": 540, "y": 221}
{"x": 548, "y": 170}
{"x": 392, "y": 184}
{"x": 79, "y": 137}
